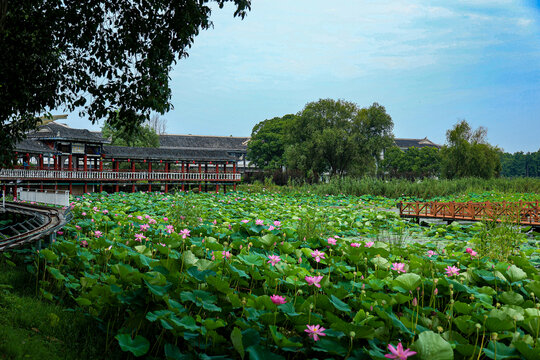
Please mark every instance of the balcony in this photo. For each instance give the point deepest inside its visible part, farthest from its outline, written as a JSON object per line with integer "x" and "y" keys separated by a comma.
{"x": 116, "y": 176}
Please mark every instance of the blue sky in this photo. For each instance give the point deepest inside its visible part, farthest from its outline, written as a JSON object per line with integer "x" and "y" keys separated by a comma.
{"x": 430, "y": 63}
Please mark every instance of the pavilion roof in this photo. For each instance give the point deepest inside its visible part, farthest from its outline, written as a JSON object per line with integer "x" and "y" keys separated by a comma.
{"x": 169, "y": 154}
{"x": 418, "y": 143}
{"x": 203, "y": 142}
{"x": 32, "y": 146}
{"x": 57, "y": 131}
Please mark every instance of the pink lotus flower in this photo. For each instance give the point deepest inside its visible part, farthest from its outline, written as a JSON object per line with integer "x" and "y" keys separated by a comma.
{"x": 60, "y": 232}
{"x": 83, "y": 213}
{"x": 278, "y": 300}
{"x": 331, "y": 241}
{"x": 315, "y": 331}
{"x": 165, "y": 219}
{"x": 430, "y": 253}
{"x": 84, "y": 243}
{"x": 399, "y": 353}
{"x": 139, "y": 237}
{"x": 317, "y": 255}
{"x": 271, "y": 228}
{"x": 274, "y": 259}
{"x": 170, "y": 229}
{"x": 399, "y": 267}
{"x": 185, "y": 233}
{"x": 452, "y": 271}
{"x": 77, "y": 227}
{"x": 436, "y": 291}
{"x": 473, "y": 253}
{"x": 152, "y": 221}
{"x": 245, "y": 221}
{"x": 226, "y": 254}
{"x": 144, "y": 227}
{"x": 277, "y": 223}
{"x": 369, "y": 244}
{"x": 214, "y": 222}
{"x": 139, "y": 217}
{"x": 356, "y": 244}
{"x": 105, "y": 212}
{"x": 414, "y": 301}
{"x": 468, "y": 250}
{"x": 314, "y": 280}
{"x": 98, "y": 234}
{"x": 259, "y": 222}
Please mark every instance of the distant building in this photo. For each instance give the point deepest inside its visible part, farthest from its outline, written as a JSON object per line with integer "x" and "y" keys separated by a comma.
{"x": 405, "y": 144}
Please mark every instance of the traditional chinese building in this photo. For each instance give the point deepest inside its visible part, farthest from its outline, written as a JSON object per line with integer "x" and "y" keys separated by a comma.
{"x": 57, "y": 156}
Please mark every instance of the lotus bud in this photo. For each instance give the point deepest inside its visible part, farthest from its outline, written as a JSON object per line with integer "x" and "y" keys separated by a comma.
{"x": 494, "y": 336}
{"x": 478, "y": 326}
{"x": 440, "y": 329}
{"x": 225, "y": 243}
{"x": 352, "y": 334}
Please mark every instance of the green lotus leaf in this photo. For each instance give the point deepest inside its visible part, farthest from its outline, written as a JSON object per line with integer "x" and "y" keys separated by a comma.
{"x": 409, "y": 281}
{"x": 338, "y": 304}
{"x": 431, "y": 346}
{"x": 511, "y": 298}
{"x": 515, "y": 274}
{"x": 138, "y": 346}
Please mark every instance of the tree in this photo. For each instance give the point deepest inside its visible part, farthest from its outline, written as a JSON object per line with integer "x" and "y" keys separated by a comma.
{"x": 338, "y": 137}
{"x": 267, "y": 144}
{"x": 412, "y": 163}
{"x": 100, "y": 55}
{"x": 158, "y": 124}
{"x": 467, "y": 153}
{"x": 520, "y": 164}
{"x": 142, "y": 136}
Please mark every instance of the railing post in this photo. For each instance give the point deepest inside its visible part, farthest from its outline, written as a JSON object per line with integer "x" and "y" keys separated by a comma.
{"x": 217, "y": 178}
{"x": 149, "y": 175}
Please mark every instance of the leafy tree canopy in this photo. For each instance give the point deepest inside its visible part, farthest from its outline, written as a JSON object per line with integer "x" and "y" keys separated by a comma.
{"x": 413, "y": 163}
{"x": 468, "y": 154}
{"x": 143, "y": 136}
{"x": 101, "y": 55}
{"x": 267, "y": 144}
{"x": 338, "y": 137}
{"x": 520, "y": 164}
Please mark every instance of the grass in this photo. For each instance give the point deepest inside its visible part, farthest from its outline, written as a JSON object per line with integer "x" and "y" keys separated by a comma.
{"x": 34, "y": 328}
{"x": 395, "y": 188}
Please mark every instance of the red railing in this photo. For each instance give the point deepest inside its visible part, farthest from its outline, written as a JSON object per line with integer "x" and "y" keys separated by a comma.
{"x": 63, "y": 175}
{"x": 523, "y": 212}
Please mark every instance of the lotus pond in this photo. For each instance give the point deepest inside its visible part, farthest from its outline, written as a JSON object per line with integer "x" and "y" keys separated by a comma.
{"x": 270, "y": 276}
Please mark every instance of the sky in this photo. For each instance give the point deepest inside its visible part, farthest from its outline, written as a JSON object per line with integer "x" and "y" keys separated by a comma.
{"x": 429, "y": 63}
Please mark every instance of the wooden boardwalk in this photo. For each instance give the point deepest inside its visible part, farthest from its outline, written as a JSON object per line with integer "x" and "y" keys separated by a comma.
{"x": 522, "y": 212}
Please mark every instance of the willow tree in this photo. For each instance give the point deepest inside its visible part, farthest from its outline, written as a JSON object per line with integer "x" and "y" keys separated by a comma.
{"x": 338, "y": 137}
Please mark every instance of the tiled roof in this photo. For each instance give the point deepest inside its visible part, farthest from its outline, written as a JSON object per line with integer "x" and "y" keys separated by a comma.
{"x": 125, "y": 152}
{"x": 56, "y": 131}
{"x": 203, "y": 142}
{"x": 33, "y": 146}
{"x": 418, "y": 143}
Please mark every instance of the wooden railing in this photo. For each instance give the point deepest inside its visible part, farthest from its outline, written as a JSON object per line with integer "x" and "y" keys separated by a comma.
{"x": 63, "y": 175}
{"x": 523, "y": 212}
